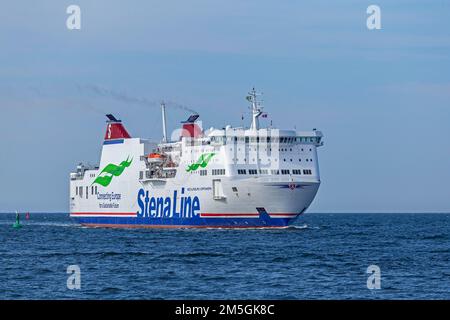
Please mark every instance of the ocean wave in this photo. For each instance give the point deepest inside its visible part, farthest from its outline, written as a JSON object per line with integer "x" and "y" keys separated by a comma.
{"x": 198, "y": 254}
{"x": 122, "y": 253}
{"x": 435, "y": 237}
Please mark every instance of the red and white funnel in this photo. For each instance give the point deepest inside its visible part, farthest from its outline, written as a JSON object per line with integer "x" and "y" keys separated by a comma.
{"x": 115, "y": 129}
{"x": 190, "y": 129}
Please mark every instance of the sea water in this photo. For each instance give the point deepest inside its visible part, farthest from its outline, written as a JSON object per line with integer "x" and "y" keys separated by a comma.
{"x": 322, "y": 256}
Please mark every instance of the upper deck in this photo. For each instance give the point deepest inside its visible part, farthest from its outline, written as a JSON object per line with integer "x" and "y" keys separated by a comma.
{"x": 230, "y": 151}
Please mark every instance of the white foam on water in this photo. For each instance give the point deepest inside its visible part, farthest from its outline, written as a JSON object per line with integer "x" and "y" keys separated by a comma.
{"x": 305, "y": 226}
{"x": 302, "y": 227}
{"x": 30, "y": 224}
{"x": 52, "y": 224}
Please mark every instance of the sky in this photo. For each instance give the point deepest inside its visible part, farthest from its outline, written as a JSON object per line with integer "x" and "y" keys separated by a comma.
{"x": 380, "y": 97}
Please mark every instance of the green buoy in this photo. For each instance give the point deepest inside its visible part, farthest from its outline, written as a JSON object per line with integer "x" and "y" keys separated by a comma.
{"x": 17, "y": 224}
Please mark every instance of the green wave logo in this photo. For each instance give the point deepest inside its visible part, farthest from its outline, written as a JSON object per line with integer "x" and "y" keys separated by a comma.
{"x": 111, "y": 170}
{"x": 201, "y": 162}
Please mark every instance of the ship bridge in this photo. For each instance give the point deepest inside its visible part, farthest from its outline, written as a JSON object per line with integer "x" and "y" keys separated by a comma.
{"x": 231, "y": 135}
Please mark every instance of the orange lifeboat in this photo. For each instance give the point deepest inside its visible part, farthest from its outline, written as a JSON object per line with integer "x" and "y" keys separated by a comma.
{"x": 156, "y": 157}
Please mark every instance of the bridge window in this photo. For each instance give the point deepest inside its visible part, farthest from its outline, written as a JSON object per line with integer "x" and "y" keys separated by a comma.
{"x": 285, "y": 171}
{"x": 252, "y": 171}
{"x": 242, "y": 171}
{"x": 307, "y": 171}
{"x": 275, "y": 172}
{"x": 203, "y": 172}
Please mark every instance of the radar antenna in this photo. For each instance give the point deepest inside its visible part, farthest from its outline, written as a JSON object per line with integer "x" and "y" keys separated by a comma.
{"x": 256, "y": 108}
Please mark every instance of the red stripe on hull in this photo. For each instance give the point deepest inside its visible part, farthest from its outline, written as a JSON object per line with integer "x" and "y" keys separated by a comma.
{"x": 244, "y": 214}
{"x": 103, "y": 213}
{"x": 202, "y": 214}
{"x": 229, "y": 214}
{"x": 129, "y": 226}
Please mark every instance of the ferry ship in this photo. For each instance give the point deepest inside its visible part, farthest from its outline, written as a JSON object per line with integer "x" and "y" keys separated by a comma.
{"x": 232, "y": 177}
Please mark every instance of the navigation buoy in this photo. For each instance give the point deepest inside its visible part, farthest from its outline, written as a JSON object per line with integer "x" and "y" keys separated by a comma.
{"x": 27, "y": 216}
{"x": 17, "y": 224}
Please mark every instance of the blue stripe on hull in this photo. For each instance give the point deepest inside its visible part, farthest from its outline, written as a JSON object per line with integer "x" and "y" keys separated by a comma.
{"x": 184, "y": 222}
{"x": 106, "y": 142}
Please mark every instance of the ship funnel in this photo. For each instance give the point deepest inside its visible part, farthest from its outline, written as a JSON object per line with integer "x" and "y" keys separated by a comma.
{"x": 115, "y": 129}
{"x": 190, "y": 128}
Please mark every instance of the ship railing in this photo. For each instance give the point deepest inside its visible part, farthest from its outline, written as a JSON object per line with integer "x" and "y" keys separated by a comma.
{"x": 164, "y": 174}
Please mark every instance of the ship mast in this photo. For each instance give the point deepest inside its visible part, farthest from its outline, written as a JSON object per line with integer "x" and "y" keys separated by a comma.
{"x": 163, "y": 111}
{"x": 256, "y": 109}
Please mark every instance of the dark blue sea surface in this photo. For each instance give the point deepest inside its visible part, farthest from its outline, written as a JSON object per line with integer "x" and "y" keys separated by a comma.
{"x": 323, "y": 256}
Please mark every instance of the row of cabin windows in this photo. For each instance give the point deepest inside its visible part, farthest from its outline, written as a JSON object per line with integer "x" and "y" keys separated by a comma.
{"x": 269, "y": 159}
{"x": 270, "y": 149}
{"x": 79, "y": 191}
{"x": 290, "y": 149}
{"x": 221, "y": 172}
{"x": 274, "y": 172}
{"x": 263, "y": 139}
{"x": 299, "y": 160}
{"x": 218, "y": 172}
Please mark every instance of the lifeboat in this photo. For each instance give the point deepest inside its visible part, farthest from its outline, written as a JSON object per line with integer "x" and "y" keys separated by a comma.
{"x": 156, "y": 157}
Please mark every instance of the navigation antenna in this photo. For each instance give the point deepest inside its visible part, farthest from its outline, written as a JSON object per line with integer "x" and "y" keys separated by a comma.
{"x": 256, "y": 108}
